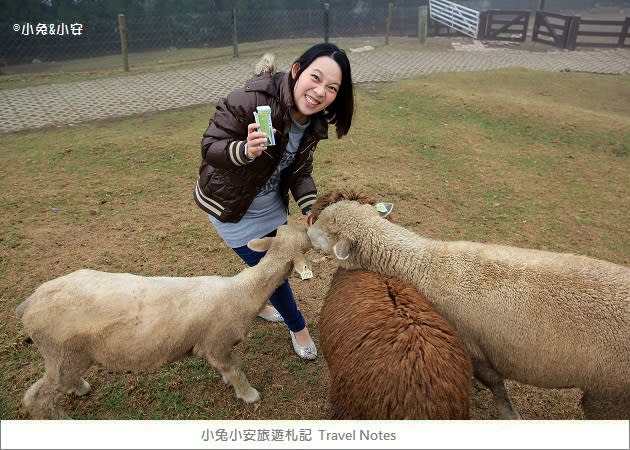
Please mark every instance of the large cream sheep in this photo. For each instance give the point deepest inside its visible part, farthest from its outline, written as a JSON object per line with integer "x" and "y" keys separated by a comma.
{"x": 389, "y": 353}
{"x": 129, "y": 322}
{"x": 553, "y": 320}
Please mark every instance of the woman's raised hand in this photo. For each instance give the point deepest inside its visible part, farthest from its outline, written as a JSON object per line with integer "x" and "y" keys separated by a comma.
{"x": 256, "y": 141}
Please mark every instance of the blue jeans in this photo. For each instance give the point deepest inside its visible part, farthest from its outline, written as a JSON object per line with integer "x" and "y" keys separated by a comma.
{"x": 282, "y": 299}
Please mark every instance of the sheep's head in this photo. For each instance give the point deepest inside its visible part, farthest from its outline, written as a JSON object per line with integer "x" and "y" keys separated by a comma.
{"x": 338, "y": 227}
{"x": 334, "y": 196}
{"x": 291, "y": 242}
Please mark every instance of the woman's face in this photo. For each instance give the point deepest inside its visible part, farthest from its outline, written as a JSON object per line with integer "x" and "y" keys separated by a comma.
{"x": 317, "y": 86}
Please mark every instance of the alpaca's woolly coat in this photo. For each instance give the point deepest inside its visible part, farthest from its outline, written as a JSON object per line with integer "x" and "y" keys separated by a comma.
{"x": 389, "y": 353}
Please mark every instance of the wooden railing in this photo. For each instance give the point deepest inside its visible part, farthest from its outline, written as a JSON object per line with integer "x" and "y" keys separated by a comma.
{"x": 571, "y": 32}
{"x": 567, "y": 32}
{"x": 503, "y": 25}
{"x": 551, "y": 28}
{"x": 598, "y": 33}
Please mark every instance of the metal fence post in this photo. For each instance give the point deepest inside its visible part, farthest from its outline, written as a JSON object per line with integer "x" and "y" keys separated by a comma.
{"x": 326, "y": 21}
{"x": 122, "y": 27}
{"x": 234, "y": 34}
{"x": 388, "y": 22}
{"x": 422, "y": 24}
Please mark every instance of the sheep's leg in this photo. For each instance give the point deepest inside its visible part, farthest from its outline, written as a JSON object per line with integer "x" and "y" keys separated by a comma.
{"x": 496, "y": 383}
{"x": 69, "y": 374}
{"x": 62, "y": 376}
{"x": 243, "y": 389}
{"x": 42, "y": 399}
{"x": 230, "y": 367}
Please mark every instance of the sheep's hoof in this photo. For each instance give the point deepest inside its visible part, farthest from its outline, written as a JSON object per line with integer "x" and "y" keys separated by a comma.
{"x": 252, "y": 396}
{"x": 83, "y": 389}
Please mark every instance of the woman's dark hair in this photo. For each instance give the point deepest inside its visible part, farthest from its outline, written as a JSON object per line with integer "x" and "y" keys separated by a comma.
{"x": 341, "y": 110}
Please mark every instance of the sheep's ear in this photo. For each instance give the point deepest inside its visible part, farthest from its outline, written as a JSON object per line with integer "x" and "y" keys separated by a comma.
{"x": 302, "y": 266}
{"x": 260, "y": 245}
{"x": 342, "y": 249}
{"x": 384, "y": 209}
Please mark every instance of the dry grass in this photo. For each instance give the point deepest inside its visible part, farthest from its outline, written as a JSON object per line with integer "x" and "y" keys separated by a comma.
{"x": 512, "y": 156}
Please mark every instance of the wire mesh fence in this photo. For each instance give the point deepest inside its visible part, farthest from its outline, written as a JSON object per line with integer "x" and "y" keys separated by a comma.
{"x": 44, "y": 41}
{"x": 26, "y": 41}
{"x": 31, "y": 40}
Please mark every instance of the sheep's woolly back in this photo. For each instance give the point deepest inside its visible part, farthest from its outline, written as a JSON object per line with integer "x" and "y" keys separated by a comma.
{"x": 267, "y": 63}
{"x": 390, "y": 354}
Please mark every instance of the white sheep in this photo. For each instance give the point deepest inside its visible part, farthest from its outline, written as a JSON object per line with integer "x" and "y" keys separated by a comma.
{"x": 554, "y": 320}
{"x": 129, "y": 322}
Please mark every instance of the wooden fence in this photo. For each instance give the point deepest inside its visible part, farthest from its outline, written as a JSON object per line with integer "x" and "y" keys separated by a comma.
{"x": 597, "y": 33}
{"x": 551, "y": 28}
{"x": 562, "y": 31}
{"x": 503, "y": 25}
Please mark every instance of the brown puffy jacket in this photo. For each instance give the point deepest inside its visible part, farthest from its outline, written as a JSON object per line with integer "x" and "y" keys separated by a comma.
{"x": 227, "y": 182}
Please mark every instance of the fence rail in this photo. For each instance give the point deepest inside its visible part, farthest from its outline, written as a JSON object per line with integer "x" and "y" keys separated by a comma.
{"x": 598, "y": 33}
{"x": 570, "y": 32}
{"x": 506, "y": 25}
{"x": 551, "y": 28}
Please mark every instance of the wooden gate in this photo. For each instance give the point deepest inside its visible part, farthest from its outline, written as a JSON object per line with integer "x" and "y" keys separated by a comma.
{"x": 503, "y": 25}
{"x": 571, "y": 31}
{"x": 551, "y": 28}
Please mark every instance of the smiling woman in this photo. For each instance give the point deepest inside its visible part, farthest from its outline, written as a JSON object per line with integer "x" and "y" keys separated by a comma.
{"x": 245, "y": 178}
{"x": 316, "y": 88}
